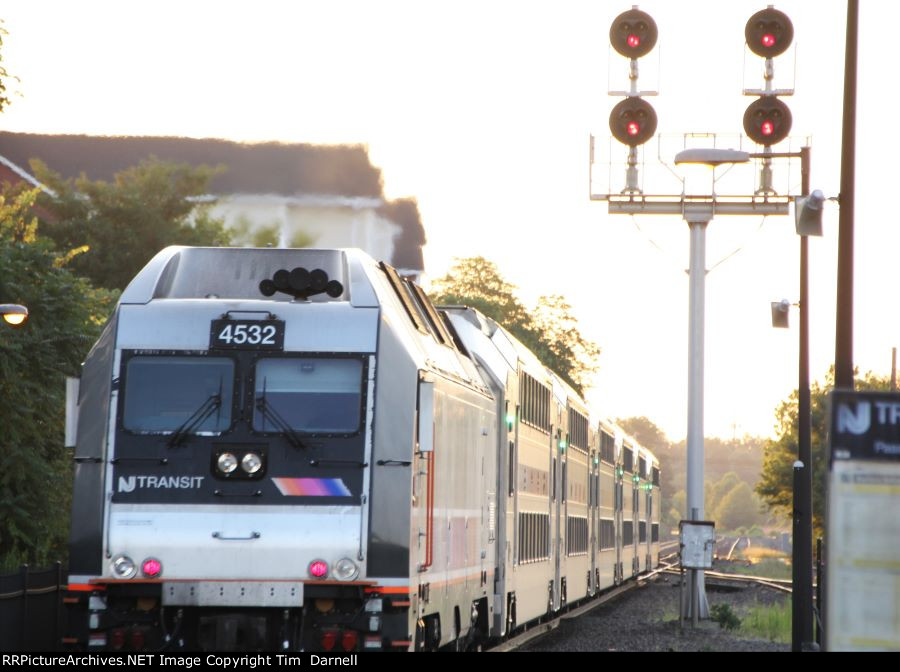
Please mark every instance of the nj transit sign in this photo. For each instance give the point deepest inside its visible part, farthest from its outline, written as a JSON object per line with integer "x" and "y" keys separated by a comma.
{"x": 865, "y": 426}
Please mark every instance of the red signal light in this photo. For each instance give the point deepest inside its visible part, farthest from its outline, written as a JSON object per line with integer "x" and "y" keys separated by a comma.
{"x": 633, "y": 128}
{"x": 767, "y": 127}
{"x": 633, "y": 33}
{"x": 768, "y": 40}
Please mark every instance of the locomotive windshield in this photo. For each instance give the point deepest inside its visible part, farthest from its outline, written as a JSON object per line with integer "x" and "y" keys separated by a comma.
{"x": 309, "y": 395}
{"x": 169, "y": 394}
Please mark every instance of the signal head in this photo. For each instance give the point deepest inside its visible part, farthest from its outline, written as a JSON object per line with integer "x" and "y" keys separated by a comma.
{"x": 769, "y": 33}
{"x": 633, "y": 121}
{"x": 767, "y": 121}
{"x": 633, "y": 33}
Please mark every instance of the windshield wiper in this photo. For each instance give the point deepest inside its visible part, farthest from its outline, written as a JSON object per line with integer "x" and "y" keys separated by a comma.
{"x": 270, "y": 414}
{"x": 197, "y": 418}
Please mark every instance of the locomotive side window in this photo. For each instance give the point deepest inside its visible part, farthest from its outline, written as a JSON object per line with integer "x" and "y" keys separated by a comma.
{"x": 313, "y": 395}
{"x": 607, "y": 448}
{"x": 165, "y": 394}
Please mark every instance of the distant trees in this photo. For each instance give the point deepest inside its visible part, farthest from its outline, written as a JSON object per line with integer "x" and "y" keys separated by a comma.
{"x": 125, "y": 222}
{"x": 776, "y": 485}
{"x": 66, "y": 315}
{"x": 550, "y": 330}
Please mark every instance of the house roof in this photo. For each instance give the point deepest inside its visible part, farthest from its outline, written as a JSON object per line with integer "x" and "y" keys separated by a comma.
{"x": 287, "y": 169}
{"x": 268, "y": 167}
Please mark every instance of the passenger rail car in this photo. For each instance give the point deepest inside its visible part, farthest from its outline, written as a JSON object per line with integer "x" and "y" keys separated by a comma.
{"x": 294, "y": 449}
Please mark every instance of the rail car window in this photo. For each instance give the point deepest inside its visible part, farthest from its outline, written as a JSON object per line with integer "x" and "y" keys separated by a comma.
{"x": 576, "y": 535}
{"x": 165, "y": 394}
{"x": 654, "y": 532}
{"x": 535, "y": 403}
{"x": 314, "y": 395}
{"x": 627, "y": 533}
{"x": 655, "y": 476}
{"x": 607, "y": 448}
{"x": 578, "y": 430}
{"x": 642, "y": 531}
{"x": 534, "y": 537}
{"x": 607, "y": 535}
{"x": 628, "y": 459}
{"x": 642, "y": 467}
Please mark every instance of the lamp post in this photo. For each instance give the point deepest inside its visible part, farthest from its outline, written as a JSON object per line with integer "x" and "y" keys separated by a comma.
{"x": 808, "y": 213}
{"x": 13, "y": 313}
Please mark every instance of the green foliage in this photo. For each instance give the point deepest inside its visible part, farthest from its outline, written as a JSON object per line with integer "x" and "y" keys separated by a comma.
{"x": 4, "y": 75}
{"x": 550, "y": 330}
{"x": 724, "y": 615}
{"x": 65, "y": 317}
{"x": 769, "y": 622}
{"x": 739, "y": 507}
{"x": 776, "y": 484}
{"x": 125, "y": 222}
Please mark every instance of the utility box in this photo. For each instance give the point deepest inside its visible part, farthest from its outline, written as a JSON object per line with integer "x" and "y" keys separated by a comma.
{"x": 698, "y": 543}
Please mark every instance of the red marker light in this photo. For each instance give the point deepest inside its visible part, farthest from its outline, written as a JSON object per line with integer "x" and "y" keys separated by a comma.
{"x": 634, "y": 41}
{"x": 151, "y": 568}
{"x": 329, "y": 639}
{"x": 318, "y": 568}
{"x": 768, "y": 40}
{"x": 767, "y": 127}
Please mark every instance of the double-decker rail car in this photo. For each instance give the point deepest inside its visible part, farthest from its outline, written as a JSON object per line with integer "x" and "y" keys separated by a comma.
{"x": 294, "y": 449}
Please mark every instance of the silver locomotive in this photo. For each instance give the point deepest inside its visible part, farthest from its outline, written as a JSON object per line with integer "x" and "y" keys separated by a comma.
{"x": 295, "y": 450}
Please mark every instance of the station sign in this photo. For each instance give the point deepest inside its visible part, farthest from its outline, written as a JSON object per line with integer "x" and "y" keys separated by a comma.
{"x": 863, "y": 542}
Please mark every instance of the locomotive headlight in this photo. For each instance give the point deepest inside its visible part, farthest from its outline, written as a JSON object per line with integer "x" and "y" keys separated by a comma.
{"x": 251, "y": 463}
{"x": 227, "y": 463}
{"x": 345, "y": 570}
{"x": 123, "y": 567}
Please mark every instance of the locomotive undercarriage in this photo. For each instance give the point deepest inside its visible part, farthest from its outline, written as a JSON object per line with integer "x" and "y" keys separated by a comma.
{"x": 131, "y": 617}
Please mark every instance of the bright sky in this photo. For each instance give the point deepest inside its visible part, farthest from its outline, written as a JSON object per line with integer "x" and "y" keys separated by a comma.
{"x": 482, "y": 111}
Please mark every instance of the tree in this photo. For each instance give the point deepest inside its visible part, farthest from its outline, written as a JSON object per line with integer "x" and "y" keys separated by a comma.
{"x": 4, "y": 75}
{"x": 738, "y": 508}
{"x": 776, "y": 486}
{"x": 65, "y": 317}
{"x": 125, "y": 222}
{"x": 550, "y": 330}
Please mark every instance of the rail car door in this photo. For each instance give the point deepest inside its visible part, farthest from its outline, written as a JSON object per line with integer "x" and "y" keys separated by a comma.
{"x": 555, "y": 497}
{"x": 593, "y": 516}
{"x": 560, "y": 536}
{"x": 635, "y": 526}
{"x": 423, "y": 489}
{"x": 619, "y": 505}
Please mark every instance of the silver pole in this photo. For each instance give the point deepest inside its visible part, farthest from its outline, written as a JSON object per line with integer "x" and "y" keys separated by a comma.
{"x": 696, "y": 327}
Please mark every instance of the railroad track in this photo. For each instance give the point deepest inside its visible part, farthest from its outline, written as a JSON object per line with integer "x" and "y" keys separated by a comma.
{"x": 539, "y": 630}
{"x": 533, "y": 632}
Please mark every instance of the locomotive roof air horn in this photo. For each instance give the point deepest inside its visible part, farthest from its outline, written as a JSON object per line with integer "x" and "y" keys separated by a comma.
{"x": 301, "y": 283}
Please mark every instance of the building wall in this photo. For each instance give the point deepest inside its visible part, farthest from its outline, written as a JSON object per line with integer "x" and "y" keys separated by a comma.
{"x": 315, "y": 221}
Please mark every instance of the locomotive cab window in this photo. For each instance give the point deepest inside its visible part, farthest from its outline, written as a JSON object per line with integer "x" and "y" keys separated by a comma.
{"x": 312, "y": 395}
{"x": 166, "y": 394}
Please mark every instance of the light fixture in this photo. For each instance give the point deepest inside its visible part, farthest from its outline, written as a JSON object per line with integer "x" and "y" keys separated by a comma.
{"x": 13, "y": 313}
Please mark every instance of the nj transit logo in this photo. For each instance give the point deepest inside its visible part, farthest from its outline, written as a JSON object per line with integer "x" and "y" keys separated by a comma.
{"x": 857, "y": 422}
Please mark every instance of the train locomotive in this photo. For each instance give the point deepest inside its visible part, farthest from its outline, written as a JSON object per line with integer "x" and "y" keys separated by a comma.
{"x": 283, "y": 450}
